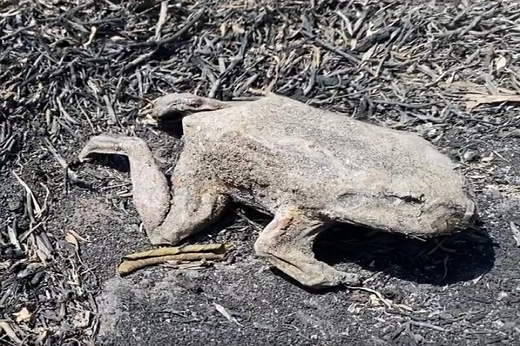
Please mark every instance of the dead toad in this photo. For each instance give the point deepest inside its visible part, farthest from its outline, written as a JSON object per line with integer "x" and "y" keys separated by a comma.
{"x": 310, "y": 168}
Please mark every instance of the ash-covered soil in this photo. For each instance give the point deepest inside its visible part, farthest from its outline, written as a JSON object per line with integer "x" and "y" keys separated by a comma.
{"x": 70, "y": 70}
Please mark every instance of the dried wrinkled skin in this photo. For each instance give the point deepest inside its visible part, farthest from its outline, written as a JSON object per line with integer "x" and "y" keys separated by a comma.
{"x": 310, "y": 168}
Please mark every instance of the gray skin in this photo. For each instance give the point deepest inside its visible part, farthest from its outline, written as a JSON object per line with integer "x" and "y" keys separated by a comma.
{"x": 307, "y": 167}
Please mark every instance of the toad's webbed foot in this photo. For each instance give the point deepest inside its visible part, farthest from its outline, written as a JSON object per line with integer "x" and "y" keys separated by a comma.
{"x": 287, "y": 242}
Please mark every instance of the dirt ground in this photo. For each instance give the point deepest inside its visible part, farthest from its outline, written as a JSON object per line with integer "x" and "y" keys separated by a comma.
{"x": 70, "y": 70}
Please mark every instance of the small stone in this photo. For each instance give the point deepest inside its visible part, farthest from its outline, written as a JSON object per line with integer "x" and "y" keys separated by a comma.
{"x": 469, "y": 155}
{"x": 81, "y": 319}
{"x": 14, "y": 204}
{"x": 502, "y": 295}
{"x": 494, "y": 192}
{"x": 432, "y": 133}
{"x": 498, "y": 324}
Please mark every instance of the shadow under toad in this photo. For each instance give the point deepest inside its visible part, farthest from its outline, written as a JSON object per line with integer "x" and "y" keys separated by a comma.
{"x": 437, "y": 261}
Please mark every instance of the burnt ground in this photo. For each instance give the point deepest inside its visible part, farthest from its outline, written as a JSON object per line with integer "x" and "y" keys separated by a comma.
{"x": 70, "y": 70}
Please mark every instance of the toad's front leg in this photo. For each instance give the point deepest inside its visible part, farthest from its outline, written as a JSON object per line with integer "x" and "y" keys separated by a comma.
{"x": 286, "y": 243}
{"x": 168, "y": 218}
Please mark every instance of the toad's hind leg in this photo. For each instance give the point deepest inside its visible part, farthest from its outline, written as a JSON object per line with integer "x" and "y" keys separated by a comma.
{"x": 286, "y": 243}
{"x": 196, "y": 201}
{"x": 151, "y": 194}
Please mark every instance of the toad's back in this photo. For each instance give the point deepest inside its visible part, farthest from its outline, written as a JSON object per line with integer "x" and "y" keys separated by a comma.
{"x": 284, "y": 151}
